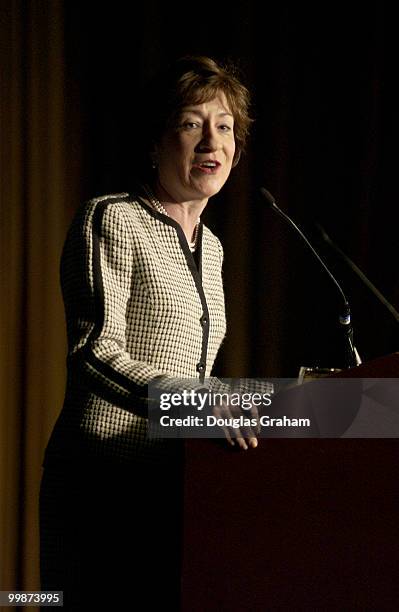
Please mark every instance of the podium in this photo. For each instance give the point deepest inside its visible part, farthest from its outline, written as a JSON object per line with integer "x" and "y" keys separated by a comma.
{"x": 295, "y": 524}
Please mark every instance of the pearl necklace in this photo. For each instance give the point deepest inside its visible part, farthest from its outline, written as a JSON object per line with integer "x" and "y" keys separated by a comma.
{"x": 161, "y": 209}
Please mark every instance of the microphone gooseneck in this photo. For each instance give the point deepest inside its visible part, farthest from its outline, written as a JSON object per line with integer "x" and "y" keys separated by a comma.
{"x": 345, "y": 315}
{"x": 358, "y": 272}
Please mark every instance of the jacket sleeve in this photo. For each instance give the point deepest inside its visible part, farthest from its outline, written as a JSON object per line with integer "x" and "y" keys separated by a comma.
{"x": 97, "y": 269}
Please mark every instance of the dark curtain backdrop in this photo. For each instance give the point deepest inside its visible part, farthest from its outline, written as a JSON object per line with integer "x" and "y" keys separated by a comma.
{"x": 324, "y": 142}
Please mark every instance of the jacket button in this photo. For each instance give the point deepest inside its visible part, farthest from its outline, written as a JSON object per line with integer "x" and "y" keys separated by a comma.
{"x": 200, "y": 367}
{"x": 203, "y": 321}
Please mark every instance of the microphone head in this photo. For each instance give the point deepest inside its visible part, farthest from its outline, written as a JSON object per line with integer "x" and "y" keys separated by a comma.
{"x": 268, "y": 196}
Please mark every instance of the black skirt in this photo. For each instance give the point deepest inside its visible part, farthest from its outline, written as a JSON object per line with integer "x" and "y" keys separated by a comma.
{"x": 110, "y": 534}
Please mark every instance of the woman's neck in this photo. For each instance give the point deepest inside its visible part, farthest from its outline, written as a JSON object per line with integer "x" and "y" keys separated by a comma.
{"x": 186, "y": 213}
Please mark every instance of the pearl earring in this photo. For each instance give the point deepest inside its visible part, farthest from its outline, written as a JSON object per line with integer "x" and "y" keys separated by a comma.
{"x": 154, "y": 160}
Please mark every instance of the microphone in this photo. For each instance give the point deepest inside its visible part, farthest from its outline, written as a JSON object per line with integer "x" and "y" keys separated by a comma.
{"x": 352, "y": 355}
{"x": 358, "y": 272}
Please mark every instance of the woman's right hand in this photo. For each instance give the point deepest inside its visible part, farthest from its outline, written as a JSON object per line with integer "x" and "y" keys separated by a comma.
{"x": 244, "y": 436}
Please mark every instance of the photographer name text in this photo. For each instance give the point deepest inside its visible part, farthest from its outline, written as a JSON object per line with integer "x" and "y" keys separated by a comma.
{"x": 235, "y": 423}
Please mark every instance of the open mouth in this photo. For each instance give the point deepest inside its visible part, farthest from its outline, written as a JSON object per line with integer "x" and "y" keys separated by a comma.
{"x": 208, "y": 167}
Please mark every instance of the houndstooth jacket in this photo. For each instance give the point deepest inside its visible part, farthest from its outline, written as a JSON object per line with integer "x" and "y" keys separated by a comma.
{"x": 137, "y": 307}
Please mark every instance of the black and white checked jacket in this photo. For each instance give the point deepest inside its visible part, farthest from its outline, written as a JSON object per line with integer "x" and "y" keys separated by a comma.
{"x": 137, "y": 307}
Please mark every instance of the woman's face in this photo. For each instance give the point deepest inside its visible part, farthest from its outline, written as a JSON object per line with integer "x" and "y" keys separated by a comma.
{"x": 195, "y": 156}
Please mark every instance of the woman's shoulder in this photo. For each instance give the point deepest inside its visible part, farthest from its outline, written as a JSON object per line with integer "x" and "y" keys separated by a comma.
{"x": 212, "y": 241}
{"x": 110, "y": 199}
{"x": 209, "y": 235}
{"x": 110, "y": 205}
{"x": 111, "y": 216}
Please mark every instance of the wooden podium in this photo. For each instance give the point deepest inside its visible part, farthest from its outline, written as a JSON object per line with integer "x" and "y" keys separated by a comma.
{"x": 296, "y": 524}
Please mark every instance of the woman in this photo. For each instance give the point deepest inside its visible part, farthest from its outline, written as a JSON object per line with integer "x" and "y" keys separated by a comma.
{"x": 142, "y": 286}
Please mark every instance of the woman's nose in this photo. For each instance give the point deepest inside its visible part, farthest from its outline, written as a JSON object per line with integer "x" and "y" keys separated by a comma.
{"x": 209, "y": 140}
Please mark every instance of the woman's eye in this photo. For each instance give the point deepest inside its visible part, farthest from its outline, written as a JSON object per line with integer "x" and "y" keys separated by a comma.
{"x": 190, "y": 125}
{"x": 225, "y": 128}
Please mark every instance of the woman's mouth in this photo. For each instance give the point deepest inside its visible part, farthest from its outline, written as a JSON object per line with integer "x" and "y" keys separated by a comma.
{"x": 208, "y": 167}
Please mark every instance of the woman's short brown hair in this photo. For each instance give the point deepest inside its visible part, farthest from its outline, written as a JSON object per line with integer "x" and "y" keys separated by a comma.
{"x": 198, "y": 79}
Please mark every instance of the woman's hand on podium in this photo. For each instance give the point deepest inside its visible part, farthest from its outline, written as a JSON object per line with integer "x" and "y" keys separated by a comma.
{"x": 241, "y": 427}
